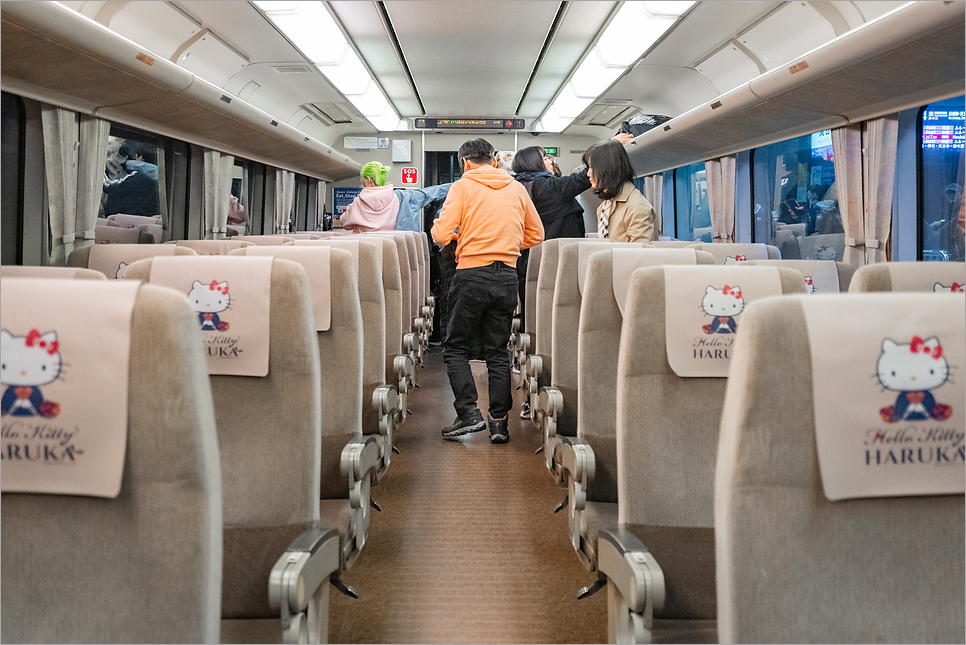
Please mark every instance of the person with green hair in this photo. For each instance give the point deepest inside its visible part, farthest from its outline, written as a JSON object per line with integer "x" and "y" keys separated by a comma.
{"x": 380, "y": 207}
{"x": 376, "y": 207}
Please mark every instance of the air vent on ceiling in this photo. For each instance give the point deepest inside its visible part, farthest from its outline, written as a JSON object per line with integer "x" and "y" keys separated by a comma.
{"x": 291, "y": 69}
{"x": 605, "y": 114}
{"x": 333, "y": 113}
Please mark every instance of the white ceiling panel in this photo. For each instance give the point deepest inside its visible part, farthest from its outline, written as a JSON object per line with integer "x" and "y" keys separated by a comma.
{"x": 578, "y": 29}
{"x": 156, "y": 26}
{"x": 364, "y": 23}
{"x": 471, "y": 58}
{"x": 788, "y": 33}
{"x": 729, "y": 68}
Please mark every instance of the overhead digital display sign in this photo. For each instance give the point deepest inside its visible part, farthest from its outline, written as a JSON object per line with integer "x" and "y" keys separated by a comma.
{"x": 470, "y": 124}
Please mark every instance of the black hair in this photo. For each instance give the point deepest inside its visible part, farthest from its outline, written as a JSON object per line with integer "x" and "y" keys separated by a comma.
{"x": 529, "y": 160}
{"x": 479, "y": 151}
{"x": 612, "y": 168}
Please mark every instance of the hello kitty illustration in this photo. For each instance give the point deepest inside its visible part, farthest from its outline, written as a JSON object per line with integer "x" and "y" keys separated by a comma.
{"x": 913, "y": 369}
{"x": 121, "y": 271}
{"x": 953, "y": 288}
{"x": 28, "y": 362}
{"x": 809, "y": 286}
{"x": 723, "y": 304}
{"x": 735, "y": 260}
{"x": 208, "y": 300}
{"x": 825, "y": 253}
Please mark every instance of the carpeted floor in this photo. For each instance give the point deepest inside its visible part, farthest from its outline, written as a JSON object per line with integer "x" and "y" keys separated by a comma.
{"x": 467, "y": 548}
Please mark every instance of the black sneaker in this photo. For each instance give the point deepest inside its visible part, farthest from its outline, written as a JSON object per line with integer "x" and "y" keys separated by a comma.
{"x": 460, "y": 427}
{"x": 525, "y": 410}
{"x": 498, "y": 430}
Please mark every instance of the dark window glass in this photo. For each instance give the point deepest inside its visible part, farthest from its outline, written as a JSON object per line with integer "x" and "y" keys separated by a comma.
{"x": 13, "y": 116}
{"x": 941, "y": 183}
{"x": 795, "y": 197}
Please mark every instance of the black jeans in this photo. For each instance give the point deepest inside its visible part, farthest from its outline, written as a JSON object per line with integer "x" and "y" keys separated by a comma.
{"x": 482, "y": 300}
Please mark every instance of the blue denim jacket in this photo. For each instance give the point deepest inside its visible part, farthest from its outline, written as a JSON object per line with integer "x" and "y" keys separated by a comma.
{"x": 413, "y": 200}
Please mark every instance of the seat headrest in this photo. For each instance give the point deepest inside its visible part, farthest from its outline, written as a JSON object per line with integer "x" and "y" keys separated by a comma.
{"x": 821, "y": 276}
{"x": 231, "y": 296}
{"x": 733, "y": 253}
{"x": 316, "y": 260}
{"x": 703, "y": 305}
{"x": 889, "y": 420}
{"x": 66, "y": 348}
{"x": 113, "y": 259}
{"x": 214, "y": 247}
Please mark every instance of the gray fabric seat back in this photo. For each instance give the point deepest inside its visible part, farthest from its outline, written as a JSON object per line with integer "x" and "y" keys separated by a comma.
{"x": 392, "y": 289}
{"x": 598, "y": 352}
{"x": 416, "y": 266}
{"x": 667, "y": 442}
{"x": 423, "y": 243}
{"x": 793, "y": 566}
{"x": 341, "y": 358}
{"x": 533, "y": 272}
{"x": 845, "y": 272}
{"x": 81, "y": 258}
{"x": 269, "y": 500}
{"x": 917, "y": 276}
{"x": 145, "y": 566}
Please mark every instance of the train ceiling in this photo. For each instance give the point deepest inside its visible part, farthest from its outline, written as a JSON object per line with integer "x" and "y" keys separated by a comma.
{"x": 484, "y": 58}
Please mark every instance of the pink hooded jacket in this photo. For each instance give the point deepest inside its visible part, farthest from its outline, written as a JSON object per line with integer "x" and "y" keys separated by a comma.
{"x": 375, "y": 209}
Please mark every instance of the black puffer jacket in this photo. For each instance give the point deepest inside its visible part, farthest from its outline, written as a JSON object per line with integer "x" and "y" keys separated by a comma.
{"x": 555, "y": 200}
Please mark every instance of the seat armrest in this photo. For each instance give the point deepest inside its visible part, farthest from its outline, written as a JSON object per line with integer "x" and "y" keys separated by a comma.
{"x": 635, "y": 581}
{"x": 297, "y": 575}
{"x": 385, "y": 402}
{"x": 531, "y": 372}
{"x": 405, "y": 368}
{"x": 549, "y": 404}
{"x": 359, "y": 464}
{"x": 574, "y": 466}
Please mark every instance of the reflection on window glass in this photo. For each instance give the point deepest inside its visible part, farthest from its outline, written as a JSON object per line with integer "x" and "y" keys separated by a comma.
{"x": 796, "y": 203}
{"x": 693, "y": 214}
{"x": 941, "y": 176}
{"x": 131, "y": 176}
{"x": 237, "y": 215}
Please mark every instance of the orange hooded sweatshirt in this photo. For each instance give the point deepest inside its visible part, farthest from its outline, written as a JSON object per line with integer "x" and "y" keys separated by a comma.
{"x": 494, "y": 215}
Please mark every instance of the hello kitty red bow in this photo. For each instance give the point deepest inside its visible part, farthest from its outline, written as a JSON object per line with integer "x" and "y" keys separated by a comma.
{"x": 732, "y": 292}
{"x": 741, "y": 258}
{"x": 214, "y": 287}
{"x": 956, "y": 288}
{"x": 919, "y": 345}
{"x": 33, "y": 340}
{"x": 808, "y": 279}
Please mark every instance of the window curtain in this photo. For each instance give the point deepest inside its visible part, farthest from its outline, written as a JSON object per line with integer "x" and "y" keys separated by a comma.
{"x": 93, "y": 134}
{"x": 163, "y": 197}
{"x": 61, "y": 145}
{"x": 284, "y": 199}
{"x": 654, "y": 194}
{"x": 720, "y": 174}
{"x": 320, "y": 205}
{"x": 881, "y": 138}
{"x": 847, "y": 157}
{"x": 218, "y": 168}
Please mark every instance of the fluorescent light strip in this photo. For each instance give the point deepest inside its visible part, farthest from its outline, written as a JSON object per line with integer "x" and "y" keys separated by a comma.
{"x": 310, "y": 27}
{"x": 636, "y": 27}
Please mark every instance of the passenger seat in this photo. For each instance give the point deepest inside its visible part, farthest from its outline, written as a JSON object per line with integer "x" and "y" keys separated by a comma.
{"x": 667, "y": 441}
{"x": 794, "y": 566}
{"x": 145, "y": 566}
{"x": 910, "y": 276}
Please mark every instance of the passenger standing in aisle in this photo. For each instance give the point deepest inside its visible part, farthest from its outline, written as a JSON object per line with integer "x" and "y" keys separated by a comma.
{"x": 623, "y": 215}
{"x": 495, "y": 218}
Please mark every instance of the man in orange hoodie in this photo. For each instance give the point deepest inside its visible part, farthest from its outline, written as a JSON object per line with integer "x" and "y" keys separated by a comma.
{"x": 495, "y": 219}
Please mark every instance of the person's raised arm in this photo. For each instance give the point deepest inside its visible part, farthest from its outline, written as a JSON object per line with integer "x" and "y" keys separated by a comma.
{"x": 444, "y": 228}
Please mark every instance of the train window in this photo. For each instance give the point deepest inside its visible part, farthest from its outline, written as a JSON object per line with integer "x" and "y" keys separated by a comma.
{"x": 794, "y": 191}
{"x": 692, "y": 216}
{"x": 942, "y": 149}
{"x": 131, "y": 176}
{"x": 12, "y": 137}
{"x": 239, "y": 201}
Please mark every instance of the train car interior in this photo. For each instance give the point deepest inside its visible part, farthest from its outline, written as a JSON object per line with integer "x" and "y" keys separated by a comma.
{"x": 228, "y": 336}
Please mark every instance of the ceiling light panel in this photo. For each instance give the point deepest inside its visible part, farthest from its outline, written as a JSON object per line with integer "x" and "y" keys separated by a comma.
{"x": 635, "y": 28}
{"x": 312, "y": 29}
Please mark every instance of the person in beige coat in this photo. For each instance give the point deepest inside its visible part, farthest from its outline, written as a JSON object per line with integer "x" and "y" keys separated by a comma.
{"x": 624, "y": 215}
